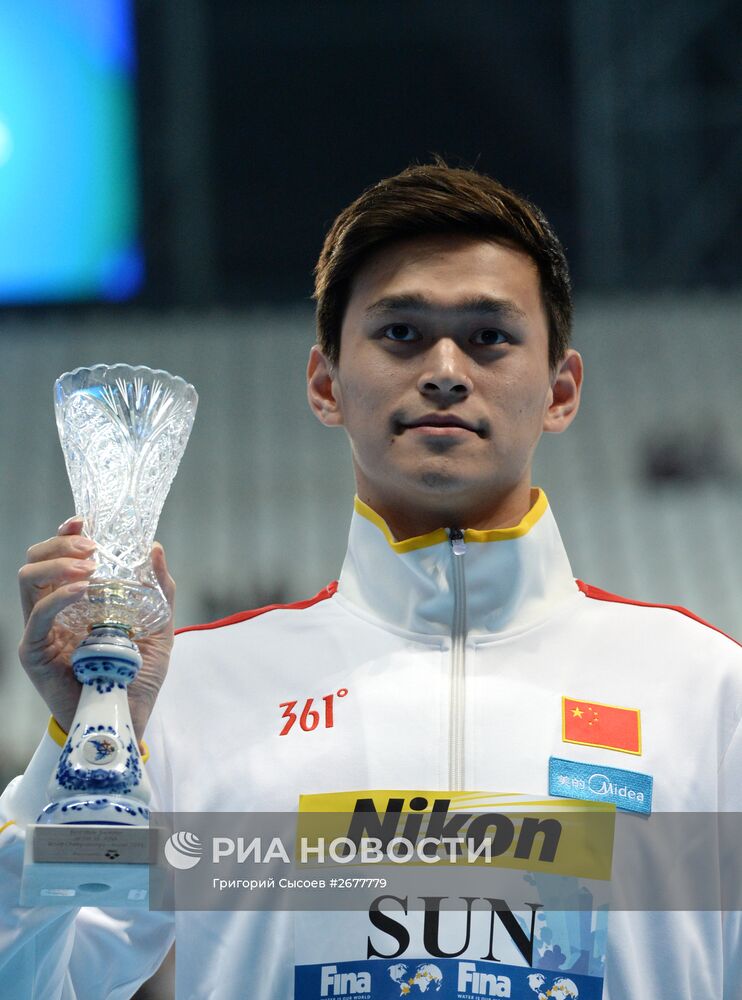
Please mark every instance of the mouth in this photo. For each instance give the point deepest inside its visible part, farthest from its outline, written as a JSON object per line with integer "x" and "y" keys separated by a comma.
{"x": 441, "y": 424}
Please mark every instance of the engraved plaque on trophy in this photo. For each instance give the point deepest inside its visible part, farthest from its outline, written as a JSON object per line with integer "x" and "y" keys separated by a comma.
{"x": 123, "y": 432}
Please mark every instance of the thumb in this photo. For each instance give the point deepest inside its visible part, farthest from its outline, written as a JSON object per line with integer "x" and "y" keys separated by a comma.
{"x": 159, "y": 564}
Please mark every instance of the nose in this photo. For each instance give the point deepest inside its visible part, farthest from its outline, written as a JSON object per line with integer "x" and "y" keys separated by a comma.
{"x": 445, "y": 378}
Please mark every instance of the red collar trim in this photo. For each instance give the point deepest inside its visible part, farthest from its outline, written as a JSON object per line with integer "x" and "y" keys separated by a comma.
{"x": 243, "y": 616}
{"x": 604, "y": 595}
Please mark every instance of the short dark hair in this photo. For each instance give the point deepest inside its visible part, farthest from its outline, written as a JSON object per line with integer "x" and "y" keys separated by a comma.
{"x": 434, "y": 198}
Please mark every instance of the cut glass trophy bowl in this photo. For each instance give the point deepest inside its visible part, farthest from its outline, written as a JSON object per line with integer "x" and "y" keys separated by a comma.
{"x": 123, "y": 431}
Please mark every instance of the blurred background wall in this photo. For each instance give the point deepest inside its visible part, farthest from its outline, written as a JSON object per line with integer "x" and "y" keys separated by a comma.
{"x": 167, "y": 174}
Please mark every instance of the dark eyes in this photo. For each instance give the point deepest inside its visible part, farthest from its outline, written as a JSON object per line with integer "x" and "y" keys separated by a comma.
{"x": 491, "y": 337}
{"x": 403, "y": 333}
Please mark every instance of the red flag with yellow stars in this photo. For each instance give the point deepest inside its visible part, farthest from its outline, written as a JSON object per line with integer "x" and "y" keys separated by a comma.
{"x": 606, "y": 726}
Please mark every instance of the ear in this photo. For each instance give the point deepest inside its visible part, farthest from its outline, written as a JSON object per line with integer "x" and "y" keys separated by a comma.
{"x": 322, "y": 390}
{"x": 564, "y": 395}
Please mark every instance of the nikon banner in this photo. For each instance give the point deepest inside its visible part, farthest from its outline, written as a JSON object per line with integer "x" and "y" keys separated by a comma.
{"x": 405, "y": 892}
{"x": 496, "y": 896}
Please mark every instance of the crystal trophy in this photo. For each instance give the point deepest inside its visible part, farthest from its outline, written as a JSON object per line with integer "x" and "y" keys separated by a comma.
{"x": 123, "y": 432}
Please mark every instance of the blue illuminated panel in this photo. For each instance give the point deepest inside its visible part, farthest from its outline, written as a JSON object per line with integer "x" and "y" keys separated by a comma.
{"x": 69, "y": 201}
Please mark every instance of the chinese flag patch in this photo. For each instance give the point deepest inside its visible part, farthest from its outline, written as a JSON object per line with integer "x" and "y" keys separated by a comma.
{"x": 607, "y": 726}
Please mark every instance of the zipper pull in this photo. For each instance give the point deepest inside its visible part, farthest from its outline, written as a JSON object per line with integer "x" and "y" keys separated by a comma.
{"x": 456, "y": 538}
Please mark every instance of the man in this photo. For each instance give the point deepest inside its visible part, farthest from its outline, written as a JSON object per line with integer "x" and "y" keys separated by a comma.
{"x": 456, "y": 650}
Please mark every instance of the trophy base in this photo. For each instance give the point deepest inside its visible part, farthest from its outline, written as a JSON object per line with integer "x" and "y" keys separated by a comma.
{"x": 136, "y": 607}
{"x": 101, "y": 810}
{"x": 71, "y": 865}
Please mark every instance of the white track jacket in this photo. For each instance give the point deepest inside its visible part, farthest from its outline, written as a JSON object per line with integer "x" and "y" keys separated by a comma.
{"x": 454, "y": 664}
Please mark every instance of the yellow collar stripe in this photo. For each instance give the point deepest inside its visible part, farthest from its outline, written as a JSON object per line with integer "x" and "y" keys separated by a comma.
{"x": 409, "y": 544}
{"x": 538, "y": 508}
{"x": 539, "y": 503}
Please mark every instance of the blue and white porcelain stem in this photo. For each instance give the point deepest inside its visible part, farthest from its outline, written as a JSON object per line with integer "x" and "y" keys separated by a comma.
{"x": 99, "y": 777}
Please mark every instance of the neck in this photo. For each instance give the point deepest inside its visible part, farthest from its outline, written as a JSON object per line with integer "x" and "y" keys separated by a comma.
{"x": 406, "y": 520}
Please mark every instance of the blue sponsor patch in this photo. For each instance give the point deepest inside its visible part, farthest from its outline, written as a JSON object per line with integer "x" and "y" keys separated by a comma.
{"x": 445, "y": 978}
{"x": 573, "y": 779}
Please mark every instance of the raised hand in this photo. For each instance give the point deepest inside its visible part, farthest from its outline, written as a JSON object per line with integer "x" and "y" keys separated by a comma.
{"x": 56, "y": 574}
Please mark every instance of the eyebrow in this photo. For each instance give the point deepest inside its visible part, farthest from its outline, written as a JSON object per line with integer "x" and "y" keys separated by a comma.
{"x": 479, "y": 304}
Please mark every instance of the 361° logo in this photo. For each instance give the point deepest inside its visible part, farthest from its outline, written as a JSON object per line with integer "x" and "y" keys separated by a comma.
{"x": 310, "y": 717}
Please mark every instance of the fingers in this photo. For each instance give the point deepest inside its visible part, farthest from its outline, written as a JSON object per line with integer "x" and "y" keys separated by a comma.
{"x": 159, "y": 564}
{"x": 33, "y": 578}
{"x": 61, "y": 545}
{"x": 62, "y": 559}
{"x": 53, "y": 572}
{"x": 44, "y": 611}
{"x": 72, "y": 526}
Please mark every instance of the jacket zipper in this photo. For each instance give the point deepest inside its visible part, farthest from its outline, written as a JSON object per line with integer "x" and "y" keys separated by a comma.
{"x": 458, "y": 663}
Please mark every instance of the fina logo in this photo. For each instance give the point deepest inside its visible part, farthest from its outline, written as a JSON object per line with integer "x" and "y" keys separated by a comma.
{"x": 560, "y": 989}
{"x": 183, "y": 850}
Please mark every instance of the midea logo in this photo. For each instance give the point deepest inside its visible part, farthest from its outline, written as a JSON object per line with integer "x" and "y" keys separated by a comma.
{"x": 183, "y": 850}
{"x": 599, "y": 784}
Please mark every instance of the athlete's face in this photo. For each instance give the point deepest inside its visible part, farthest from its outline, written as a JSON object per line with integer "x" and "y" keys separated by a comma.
{"x": 443, "y": 383}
